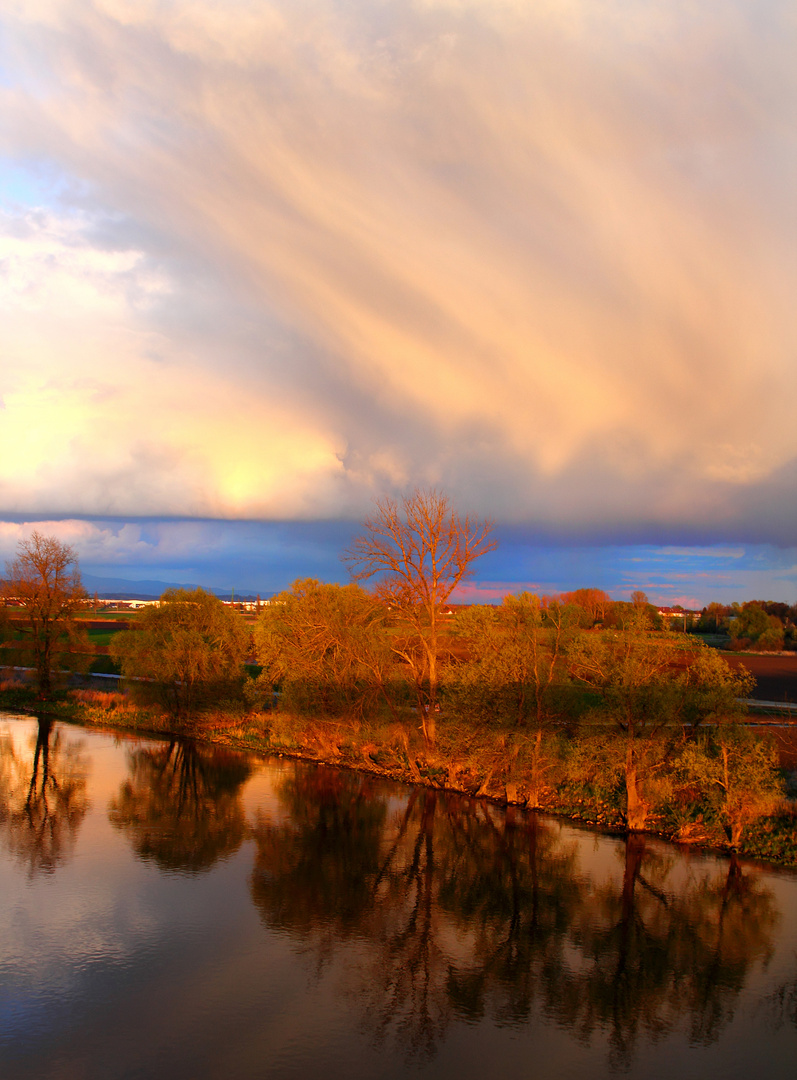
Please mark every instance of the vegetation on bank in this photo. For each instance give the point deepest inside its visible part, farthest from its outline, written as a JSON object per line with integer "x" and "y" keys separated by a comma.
{"x": 722, "y": 790}
{"x": 573, "y": 704}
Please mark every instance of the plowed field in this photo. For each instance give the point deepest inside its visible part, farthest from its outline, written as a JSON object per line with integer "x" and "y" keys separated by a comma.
{"x": 776, "y": 676}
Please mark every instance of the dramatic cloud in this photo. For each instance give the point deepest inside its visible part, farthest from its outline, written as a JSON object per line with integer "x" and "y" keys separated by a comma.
{"x": 264, "y": 260}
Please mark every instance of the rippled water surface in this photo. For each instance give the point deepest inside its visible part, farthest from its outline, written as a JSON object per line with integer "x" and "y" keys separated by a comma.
{"x": 178, "y": 910}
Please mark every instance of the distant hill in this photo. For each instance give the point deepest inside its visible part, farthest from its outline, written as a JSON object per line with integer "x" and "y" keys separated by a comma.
{"x": 124, "y": 589}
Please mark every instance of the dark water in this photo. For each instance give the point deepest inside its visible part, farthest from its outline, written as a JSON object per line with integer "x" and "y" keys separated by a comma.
{"x": 171, "y": 910}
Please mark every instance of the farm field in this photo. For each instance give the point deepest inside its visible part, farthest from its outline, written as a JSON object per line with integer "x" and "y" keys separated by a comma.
{"x": 776, "y": 676}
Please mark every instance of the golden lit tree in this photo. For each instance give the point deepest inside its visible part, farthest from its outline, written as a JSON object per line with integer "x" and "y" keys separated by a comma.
{"x": 419, "y": 549}
{"x": 44, "y": 580}
{"x": 654, "y": 688}
{"x": 327, "y": 648}
{"x": 186, "y": 653}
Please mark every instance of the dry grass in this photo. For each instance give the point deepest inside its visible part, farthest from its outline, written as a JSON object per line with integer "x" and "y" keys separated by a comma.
{"x": 115, "y": 708}
{"x": 103, "y": 699}
{"x": 11, "y": 684}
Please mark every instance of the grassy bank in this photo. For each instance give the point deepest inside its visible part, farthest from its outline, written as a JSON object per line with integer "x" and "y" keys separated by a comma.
{"x": 577, "y": 776}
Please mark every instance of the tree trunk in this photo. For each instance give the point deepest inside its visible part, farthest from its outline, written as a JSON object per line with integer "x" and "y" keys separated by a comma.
{"x": 536, "y": 770}
{"x": 636, "y": 809}
{"x": 430, "y": 727}
{"x": 429, "y": 717}
{"x": 44, "y": 667}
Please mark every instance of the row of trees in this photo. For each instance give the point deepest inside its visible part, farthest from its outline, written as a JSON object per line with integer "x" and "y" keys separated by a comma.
{"x": 525, "y": 666}
{"x": 530, "y": 664}
{"x": 762, "y": 625}
{"x": 334, "y": 651}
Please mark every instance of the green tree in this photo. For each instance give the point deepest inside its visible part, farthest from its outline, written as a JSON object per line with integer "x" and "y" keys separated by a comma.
{"x": 595, "y": 604}
{"x": 185, "y": 653}
{"x": 737, "y": 776}
{"x": 516, "y": 650}
{"x": 327, "y": 648}
{"x": 637, "y": 610}
{"x": 44, "y": 580}
{"x": 515, "y": 672}
{"x": 712, "y": 618}
{"x": 419, "y": 550}
{"x": 650, "y": 686}
{"x": 753, "y": 627}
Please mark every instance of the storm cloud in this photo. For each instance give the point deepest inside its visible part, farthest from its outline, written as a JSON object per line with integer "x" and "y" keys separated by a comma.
{"x": 264, "y": 261}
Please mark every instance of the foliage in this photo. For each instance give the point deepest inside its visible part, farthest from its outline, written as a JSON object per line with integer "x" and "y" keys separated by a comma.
{"x": 419, "y": 550}
{"x": 713, "y": 618}
{"x": 44, "y": 579}
{"x": 594, "y": 603}
{"x": 327, "y": 648}
{"x": 773, "y": 836}
{"x": 514, "y": 666}
{"x": 713, "y": 691}
{"x": 622, "y": 614}
{"x": 736, "y": 775}
{"x": 649, "y": 686}
{"x": 184, "y": 653}
{"x": 752, "y": 627}
{"x": 592, "y": 778}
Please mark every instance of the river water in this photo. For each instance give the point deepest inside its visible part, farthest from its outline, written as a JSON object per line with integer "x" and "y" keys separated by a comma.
{"x": 170, "y": 909}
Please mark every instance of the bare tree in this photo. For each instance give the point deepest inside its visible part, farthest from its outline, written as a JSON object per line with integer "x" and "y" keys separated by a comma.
{"x": 45, "y": 580}
{"x": 419, "y": 550}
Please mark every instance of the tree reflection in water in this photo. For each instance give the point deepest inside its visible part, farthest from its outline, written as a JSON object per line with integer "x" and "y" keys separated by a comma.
{"x": 461, "y": 911}
{"x": 469, "y": 898}
{"x": 314, "y": 872}
{"x": 182, "y": 804}
{"x": 43, "y": 797}
{"x": 659, "y": 953}
{"x": 783, "y": 1004}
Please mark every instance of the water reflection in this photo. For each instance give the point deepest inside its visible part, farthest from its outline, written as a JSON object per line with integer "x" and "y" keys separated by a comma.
{"x": 315, "y": 870}
{"x": 181, "y": 805}
{"x": 658, "y": 952}
{"x": 469, "y": 912}
{"x": 783, "y": 1004}
{"x": 524, "y": 897}
{"x": 441, "y": 933}
{"x": 43, "y": 797}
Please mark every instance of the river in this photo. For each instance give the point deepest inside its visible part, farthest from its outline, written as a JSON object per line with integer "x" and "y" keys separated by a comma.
{"x": 173, "y": 909}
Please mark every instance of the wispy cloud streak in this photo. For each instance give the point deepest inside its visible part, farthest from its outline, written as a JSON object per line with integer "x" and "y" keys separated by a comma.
{"x": 303, "y": 252}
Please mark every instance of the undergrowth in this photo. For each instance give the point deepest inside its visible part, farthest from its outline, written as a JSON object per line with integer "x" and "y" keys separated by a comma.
{"x": 576, "y": 776}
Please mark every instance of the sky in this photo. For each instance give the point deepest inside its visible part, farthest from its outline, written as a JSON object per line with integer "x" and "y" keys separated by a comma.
{"x": 264, "y": 262}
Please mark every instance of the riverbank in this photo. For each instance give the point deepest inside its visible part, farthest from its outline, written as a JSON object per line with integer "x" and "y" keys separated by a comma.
{"x": 573, "y": 777}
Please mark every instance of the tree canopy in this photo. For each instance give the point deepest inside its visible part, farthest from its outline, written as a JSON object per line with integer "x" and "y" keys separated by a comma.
{"x": 418, "y": 550}
{"x": 650, "y": 687}
{"x": 326, "y": 647}
{"x": 44, "y": 579}
{"x": 189, "y": 651}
